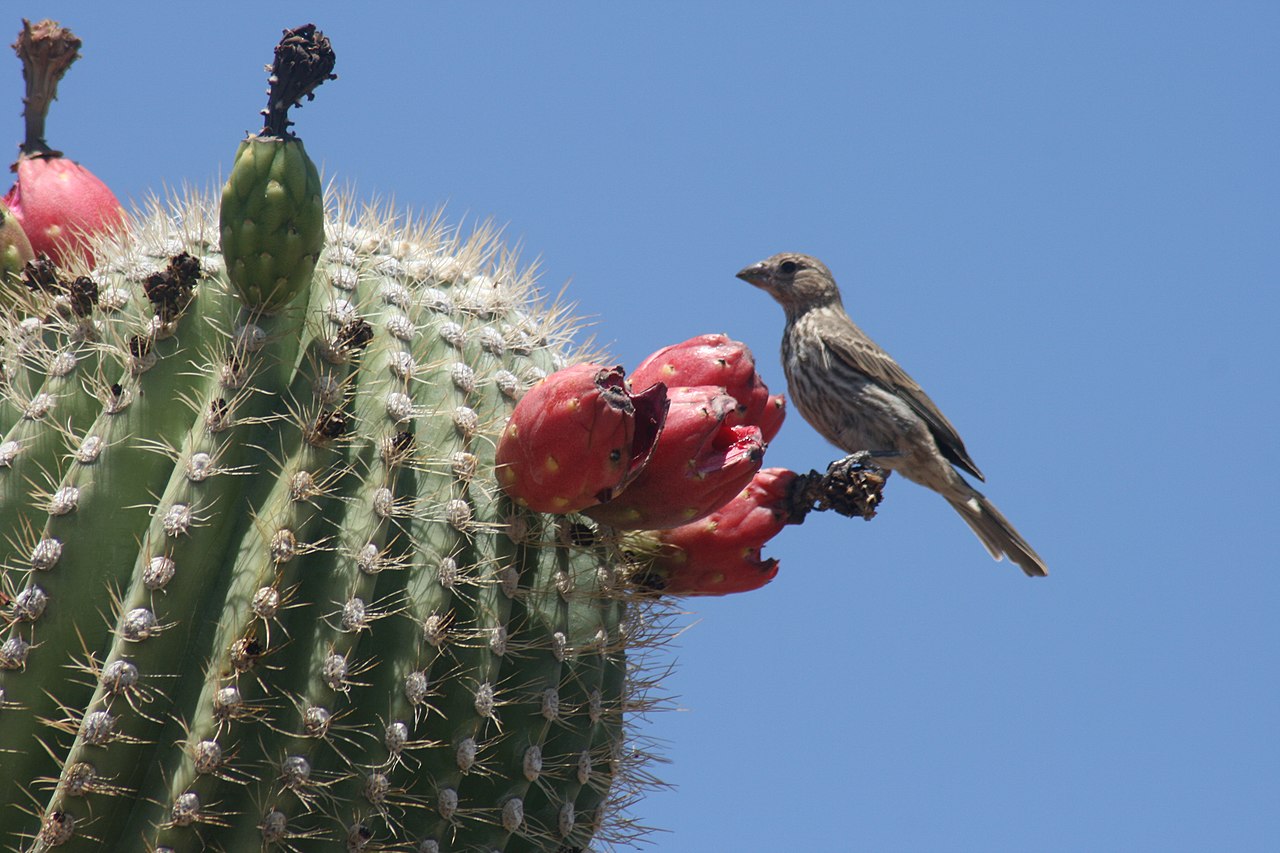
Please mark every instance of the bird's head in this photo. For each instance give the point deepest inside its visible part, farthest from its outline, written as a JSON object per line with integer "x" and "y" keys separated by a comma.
{"x": 796, "y": 281}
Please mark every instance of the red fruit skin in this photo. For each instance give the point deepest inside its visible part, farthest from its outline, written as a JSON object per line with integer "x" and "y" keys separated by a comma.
{"x": 720, "y": 554}
{"x": 713, "y": 359}
{"x": 576, "y": 438}
{"x": 699, "y": 463}
{"x": 60, "y": 204}
{"x": 775, "y": 411}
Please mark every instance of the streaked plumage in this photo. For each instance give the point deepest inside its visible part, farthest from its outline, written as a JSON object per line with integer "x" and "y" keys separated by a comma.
{"x": 858, "y": 398}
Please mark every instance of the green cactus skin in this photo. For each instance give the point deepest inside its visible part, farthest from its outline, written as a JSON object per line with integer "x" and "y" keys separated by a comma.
{"x": 282, "y": 602}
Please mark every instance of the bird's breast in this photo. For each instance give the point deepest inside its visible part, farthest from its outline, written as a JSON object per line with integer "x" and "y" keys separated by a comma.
{"x": 845, "y": 405}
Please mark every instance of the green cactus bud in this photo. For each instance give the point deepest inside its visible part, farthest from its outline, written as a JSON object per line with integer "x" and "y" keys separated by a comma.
{"x": 272, "y": 219}
{"x": 261, "y": 589}
{"x": 15, "y": 251}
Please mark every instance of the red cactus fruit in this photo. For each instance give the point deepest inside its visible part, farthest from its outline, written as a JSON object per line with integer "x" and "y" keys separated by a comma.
{"x": 59, "y": 203}
{"x": 578, "y": 438}
{"x": 699, "y": 463}
{"x": 713, "y": 359}
{"x": 720, "y": 554}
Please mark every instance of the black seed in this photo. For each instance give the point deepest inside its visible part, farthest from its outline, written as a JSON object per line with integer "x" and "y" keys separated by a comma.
{"x": 354, "y": 335}
{"x": 331, "y": 424}
{"x": 170, "y": 291}
{"x": 185, "y": 270}
{"x": 650, "y": 580}
{"x": 581, "y": 535}
{"x": 83, "y": 293}
{"x": 154, "y": 284}
{"x": 41, "y": 274}
{"x": 139, "y": 346}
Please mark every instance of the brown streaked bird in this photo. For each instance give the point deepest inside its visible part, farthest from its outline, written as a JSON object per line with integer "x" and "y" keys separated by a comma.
{"x": 860, "y": 400}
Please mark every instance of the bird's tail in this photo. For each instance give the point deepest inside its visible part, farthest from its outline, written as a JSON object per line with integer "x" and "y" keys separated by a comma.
{"x": 996, "y": 533}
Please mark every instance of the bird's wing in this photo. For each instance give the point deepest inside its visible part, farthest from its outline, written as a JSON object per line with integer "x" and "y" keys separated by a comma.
{"x": 862, "y": 354}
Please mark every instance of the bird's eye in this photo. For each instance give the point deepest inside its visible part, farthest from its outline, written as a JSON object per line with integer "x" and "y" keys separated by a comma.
{"x": 788, "y": 267}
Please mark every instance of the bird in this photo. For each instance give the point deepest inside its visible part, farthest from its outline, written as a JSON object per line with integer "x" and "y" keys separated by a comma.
{"x": 858, "y": 398}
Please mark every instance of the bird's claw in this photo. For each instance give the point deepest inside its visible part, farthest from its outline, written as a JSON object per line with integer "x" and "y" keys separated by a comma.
{"x": 852, "y": 486}
{"x": 860, "y": 461}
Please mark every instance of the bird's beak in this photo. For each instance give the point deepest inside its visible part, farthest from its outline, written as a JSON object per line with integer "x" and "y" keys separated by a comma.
{"x": 754, "y": 274}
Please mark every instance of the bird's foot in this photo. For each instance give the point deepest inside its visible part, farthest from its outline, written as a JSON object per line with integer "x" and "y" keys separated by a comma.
{"x": 861, "y": 460}
{"x": 853, "y": 486}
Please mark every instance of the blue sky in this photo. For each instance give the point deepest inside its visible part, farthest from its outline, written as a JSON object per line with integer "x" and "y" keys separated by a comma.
{"x": 1061, "y": 218}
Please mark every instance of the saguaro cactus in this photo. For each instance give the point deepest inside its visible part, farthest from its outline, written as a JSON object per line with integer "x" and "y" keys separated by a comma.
{"x": 260, "y": 586}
